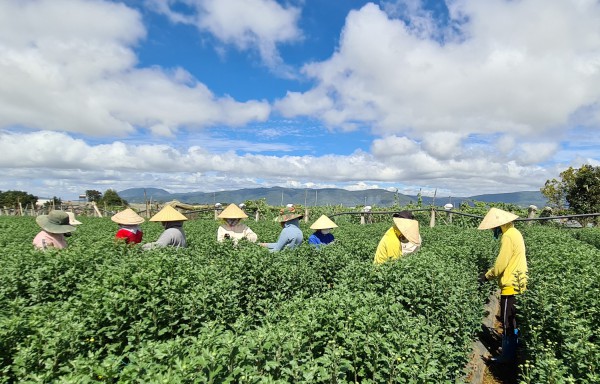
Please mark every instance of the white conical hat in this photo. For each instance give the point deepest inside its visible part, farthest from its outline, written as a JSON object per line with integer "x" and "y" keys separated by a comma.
{"x": 232, "y": 212}
{"x": 323, "y": 222}
{"x": 409, "y": 228}
{"x": 495, "y": 218}
{"x": 72, "y": 219}
{"x": 127, "y": 217}
{"x": 168, "y": 213}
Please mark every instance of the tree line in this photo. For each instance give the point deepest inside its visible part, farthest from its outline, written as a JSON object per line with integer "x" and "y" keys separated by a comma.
{"x": 12, "y": 199}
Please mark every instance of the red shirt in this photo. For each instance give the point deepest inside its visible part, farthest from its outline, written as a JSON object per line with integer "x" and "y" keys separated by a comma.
{"x": 129, "y": 236}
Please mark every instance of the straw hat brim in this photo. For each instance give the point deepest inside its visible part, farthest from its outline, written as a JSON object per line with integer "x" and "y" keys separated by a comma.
{"x": 48, "y": 225}
{"x": 323, "y": 222}
{"x": 168, "y": 213}
{"x": 127, "y": 217}
{"x": 72, "y": 219}
{"x": 495, "y": 218}
{"x": 409, "y": 228}
{"x": 232, "y": 212}
{"x": 288, "y": 217}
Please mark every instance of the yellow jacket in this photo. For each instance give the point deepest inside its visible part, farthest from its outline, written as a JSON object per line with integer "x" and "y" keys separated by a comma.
{"x": 511, "y": 265}
{"x": 389, "y": 247}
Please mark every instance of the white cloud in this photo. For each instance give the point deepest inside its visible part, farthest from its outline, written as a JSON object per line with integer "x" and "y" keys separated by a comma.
{"x": 63, "y": 158}
{"x": 520, "y": 67}
{"x": 257, "y": 25}
{"x": 78, "y": 74}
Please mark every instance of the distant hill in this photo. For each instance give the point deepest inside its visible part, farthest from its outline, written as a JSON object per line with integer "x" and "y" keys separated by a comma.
{"x": 326, "y": 196}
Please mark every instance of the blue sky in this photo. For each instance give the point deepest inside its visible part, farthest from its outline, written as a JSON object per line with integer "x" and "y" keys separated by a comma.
{"x": 463, "y": 96}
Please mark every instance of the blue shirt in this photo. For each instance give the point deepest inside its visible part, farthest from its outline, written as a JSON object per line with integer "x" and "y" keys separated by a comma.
{"x": 319, "y": 238}
{"x": 290, "y": 237}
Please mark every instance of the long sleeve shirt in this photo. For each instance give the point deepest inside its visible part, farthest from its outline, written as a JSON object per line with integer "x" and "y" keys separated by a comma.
{"x": 171, "y": 237}
{"x": 236, "y": 233}
{"x": 130, "y": 235}
{"x": 290, "y": 237}
{"x": 44, "y": 240}
{"x": 510, "y": 267}
{"x": 319, "y": 238}
{"x": 389, "y": 247}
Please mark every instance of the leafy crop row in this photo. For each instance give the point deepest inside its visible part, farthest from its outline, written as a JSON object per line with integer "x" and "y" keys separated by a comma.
{"x": 100, "y": 311}
{"x": 560, "y": 313}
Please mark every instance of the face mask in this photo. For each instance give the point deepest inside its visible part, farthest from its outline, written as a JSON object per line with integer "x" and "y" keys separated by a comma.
{"x": 497, "y": 232}
{"x": 232, "y": 222}
{"x": 324, "y": 231}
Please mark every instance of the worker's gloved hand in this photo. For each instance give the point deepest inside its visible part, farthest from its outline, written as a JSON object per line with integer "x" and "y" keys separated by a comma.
{"x": 482, "y": 279}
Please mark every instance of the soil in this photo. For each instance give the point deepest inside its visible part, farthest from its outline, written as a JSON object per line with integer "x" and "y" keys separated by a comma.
{"x": 487, "y": 345}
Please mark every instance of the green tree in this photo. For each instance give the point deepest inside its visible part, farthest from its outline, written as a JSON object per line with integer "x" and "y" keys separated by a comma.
{"x": 55, "y": 201}
{"x": 93, "y": 195}
{"x": 112, "y": 198}
{"x": 583, "y": 195}
{"x": 13, "y": 198}
{"x": 579, "y": 188}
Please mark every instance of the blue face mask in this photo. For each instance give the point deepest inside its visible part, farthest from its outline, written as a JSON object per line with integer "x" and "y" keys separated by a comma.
{"x": 497, "y": 232}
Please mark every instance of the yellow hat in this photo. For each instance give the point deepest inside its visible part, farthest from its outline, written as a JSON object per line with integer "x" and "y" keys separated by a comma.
{"x": 495, "y": 218}
{"x": 232, "y": 212}
{"x": 168, "y": 213}
{"x": 409, "y": 228}
{"x": 323, "y": 222}
{"x": 127, "y": 217}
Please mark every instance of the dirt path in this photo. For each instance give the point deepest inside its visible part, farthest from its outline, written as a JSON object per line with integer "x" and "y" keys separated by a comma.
{"x": 487, "y": 344}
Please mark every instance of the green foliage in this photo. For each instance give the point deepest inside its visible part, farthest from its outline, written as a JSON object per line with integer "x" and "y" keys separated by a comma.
{"x": 584, "y": 194}
{"x": 93, "y": 195}
{"x": 214, "y": 312}
{"x": 12, "y": 199}
{"x": 560, "y": 313}
{"x": 580, "y": 188}
{"x": 54, "y": 202}
{"x": 111, "y": 198}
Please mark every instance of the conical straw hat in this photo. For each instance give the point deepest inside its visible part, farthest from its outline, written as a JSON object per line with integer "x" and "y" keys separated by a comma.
{"x": 232, "y": 212}
{"x": 168, "y": 213}
{"x": 323, "y": 222}
{"x": 72, "y": 219}
{"x": 495, "y": 218}
{"x": 409, "y": 228}
{"x": 127, "y": 217}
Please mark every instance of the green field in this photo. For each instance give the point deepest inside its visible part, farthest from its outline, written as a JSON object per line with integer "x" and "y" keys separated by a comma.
{"x": 214, "y": 313}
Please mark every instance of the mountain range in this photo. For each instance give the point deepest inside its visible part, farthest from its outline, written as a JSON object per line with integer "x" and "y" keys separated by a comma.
{"x": 326, "y": 196}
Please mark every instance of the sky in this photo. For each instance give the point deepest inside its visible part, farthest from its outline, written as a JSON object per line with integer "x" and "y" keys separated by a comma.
{"x": 462, "y": 97}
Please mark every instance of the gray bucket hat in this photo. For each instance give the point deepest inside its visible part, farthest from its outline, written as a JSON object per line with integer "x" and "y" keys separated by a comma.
{"x": 55, "y": 222}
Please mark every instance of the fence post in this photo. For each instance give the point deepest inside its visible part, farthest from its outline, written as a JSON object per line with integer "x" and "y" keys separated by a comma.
{"x": 256, "y": 215}
{"x": 432, "y": 220}
{"x": 362, "y": 219}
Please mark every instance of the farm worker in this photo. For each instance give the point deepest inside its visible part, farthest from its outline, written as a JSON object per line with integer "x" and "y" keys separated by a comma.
{"x": 408, "y": 246}
{"x": 232, "y": 227}
{"x": 390, "y": 245}
{"x": 322, "y": 235}
{"x": 510, "y": 269}
{"x": 54, "y": 226}
{"x": 72, "y": 221}
{"x": 173, "y": 235}
{"x": 291, "y": 235}
{"x": 129, "y": 226}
